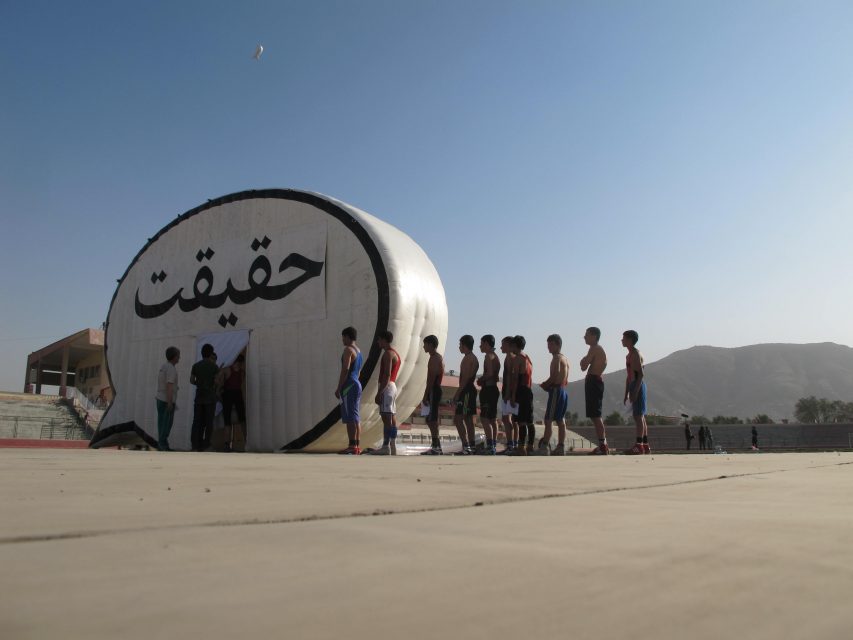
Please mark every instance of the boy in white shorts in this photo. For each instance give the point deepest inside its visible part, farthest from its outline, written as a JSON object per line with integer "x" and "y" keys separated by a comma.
{"x": 386, "y": 397}
{"x": 509, "y": 412}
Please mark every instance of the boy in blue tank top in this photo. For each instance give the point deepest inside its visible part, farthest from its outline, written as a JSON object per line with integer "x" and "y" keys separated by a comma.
{"x": 349, "y": 390}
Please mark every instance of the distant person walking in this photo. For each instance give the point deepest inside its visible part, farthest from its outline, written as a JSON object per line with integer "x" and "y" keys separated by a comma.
{"x": 688, "y": 434}
{"x": 349, "y": 390}
{"x": 710, "y": 437}
{"x": 432, "y": 393}
{"x": 702, "y": 437}
{"x": 489, "y": 393}
{"x": 203, "y": 376}
{"x": 386, "y": 396}
{"x": 594, "y": 363}
{"x": 635, "y": 391}
{"x": 167, "y": 393}
{"x": 754, "y": 437}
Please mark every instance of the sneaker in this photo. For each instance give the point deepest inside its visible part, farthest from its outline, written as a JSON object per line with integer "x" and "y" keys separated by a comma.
{"x": 466, "y": 451}
{"x": 350, "y": 451}
{"x": 432, "y": 451}
{"x": 646, "y": 448}
{"x": 559, "y": 450}
{"x": 506, "y": 452}
{"x": 519, "y": 451}
{"x": 600, "y": 450}
{"x": 636, "y": 450}
{"x": 381, "y": 451}
{"x": 544, "y": 448}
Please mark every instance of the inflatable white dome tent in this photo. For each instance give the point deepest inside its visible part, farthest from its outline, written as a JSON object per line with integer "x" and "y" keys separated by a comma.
{"x": 277, "y": 273}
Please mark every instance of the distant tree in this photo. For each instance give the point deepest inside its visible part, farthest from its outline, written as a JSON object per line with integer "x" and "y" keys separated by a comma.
{"x": 614, "y": 419}
{"x": 583, "y": 422}
{"x": 761, "y": 418}
{"x": 841, "y": 411}
{"x": 572, "y": 417}
{"x": 808, "y": 410}
{"x": 726, "y": 420}
{"x": 820, "y": 410}
{"x": 700, "y": 419}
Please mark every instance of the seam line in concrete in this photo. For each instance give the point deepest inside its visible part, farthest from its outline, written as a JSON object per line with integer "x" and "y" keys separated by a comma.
{"x": 71, "y": 535}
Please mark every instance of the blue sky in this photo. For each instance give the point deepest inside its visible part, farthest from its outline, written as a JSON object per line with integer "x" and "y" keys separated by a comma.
{"x": 680, "y": 168}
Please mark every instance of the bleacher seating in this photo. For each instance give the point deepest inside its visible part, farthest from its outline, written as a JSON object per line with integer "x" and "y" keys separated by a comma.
{"x": 35, "y": 417}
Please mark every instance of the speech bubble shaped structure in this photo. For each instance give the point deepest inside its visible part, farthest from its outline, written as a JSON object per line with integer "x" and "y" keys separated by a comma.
{"x": 290, "y": 269}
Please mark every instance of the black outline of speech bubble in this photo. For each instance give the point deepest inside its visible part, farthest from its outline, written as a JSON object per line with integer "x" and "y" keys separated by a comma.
{"x": 104, "y": 437}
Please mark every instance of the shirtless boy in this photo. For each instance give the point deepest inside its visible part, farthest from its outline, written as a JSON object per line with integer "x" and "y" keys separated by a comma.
{"x": 558, "y": 399}
{"x": 465, "y": 398}
{"x": 489, "y": 393}
{"x": 635, "y": 391}
{"x": 432, "y": 393}
{"x": 594, "y": 363}
{"x": 521, "y": 396}
{"x": 508, "y": 411}
{"x": 349, "y": 390}
{"x": 386, "y": 396}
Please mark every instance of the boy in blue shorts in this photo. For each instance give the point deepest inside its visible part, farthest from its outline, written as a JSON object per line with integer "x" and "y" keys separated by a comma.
{"x": 558, "y": 399}
{"x": 635, "y": 391}
{"x": 349, "y": 390}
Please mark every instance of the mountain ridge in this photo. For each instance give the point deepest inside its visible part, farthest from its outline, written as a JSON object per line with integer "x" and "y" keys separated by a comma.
{"x": 743, "y": 381}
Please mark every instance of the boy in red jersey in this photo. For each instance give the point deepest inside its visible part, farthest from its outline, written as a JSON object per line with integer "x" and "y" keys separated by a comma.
{"x": 386, "y": 396}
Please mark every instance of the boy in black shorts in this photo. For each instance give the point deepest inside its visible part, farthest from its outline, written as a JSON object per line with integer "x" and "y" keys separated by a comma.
{"x": 489, "y": 393}
{"x": 465, "y": 397}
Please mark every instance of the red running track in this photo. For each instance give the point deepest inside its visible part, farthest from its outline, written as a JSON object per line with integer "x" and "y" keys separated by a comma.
{"x": 23, "y": 443}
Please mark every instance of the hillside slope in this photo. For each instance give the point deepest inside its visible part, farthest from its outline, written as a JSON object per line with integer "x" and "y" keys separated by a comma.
{"x": 743, "y": 381}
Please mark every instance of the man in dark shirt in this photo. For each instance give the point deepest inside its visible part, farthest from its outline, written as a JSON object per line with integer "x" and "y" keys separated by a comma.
{"x": 203, "y": 376}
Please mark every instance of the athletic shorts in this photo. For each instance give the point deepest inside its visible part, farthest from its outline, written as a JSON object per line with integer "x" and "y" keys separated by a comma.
{"x": 524, "y": 395}
{"x": 558, "y": 404}
{"x": 507, "y": 409}
{"x": 434, "y": 402}
{"x": 593, "y": 388}
{"x": 489, "y": 397}
{"x": 467, "y": 403}
{"x": 350, "y": 402}
{"x": 638, "y": 407}
{"x": 388, "y": 399}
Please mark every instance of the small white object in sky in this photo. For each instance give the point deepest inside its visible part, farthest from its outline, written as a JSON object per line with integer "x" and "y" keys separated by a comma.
{"x": 258, "y": 52}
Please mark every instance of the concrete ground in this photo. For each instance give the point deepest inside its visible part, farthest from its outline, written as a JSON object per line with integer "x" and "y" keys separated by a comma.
{"x": 108, "y": 544}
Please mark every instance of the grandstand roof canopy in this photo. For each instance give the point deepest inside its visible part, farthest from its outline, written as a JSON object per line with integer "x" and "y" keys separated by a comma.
{"x": 49, "y": 360}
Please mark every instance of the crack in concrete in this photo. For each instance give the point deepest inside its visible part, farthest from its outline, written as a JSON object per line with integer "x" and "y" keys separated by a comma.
{"x": 72, "y": 535}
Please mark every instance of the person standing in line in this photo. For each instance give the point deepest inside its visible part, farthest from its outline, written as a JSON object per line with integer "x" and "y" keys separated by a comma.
{"x": 635, "y": 391}
{"x": 521, "y": 396}
{"x": 432, "y": 393}
{"x": 167, "y": 393}
{"x": 558, "y": 399}
{"x": 509, "y": 413}
{"x": 489, "y": 393}
{"x": 688, "y": 434}
{"x": 702, "y": 437}
{"x": 234, "y": 378}
{"x": 203, "y": 376}
{"x": 710, "y": 437}
{"x": 349, "y": 391}
{"x": 465, "y": 398}
{"x": 594, "y": 363}
{"x": 386, "y": 396}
